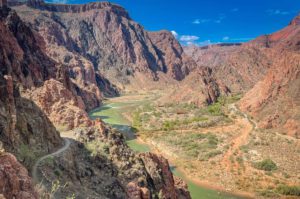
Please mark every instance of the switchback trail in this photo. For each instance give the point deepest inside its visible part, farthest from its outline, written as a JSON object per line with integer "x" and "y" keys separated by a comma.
{"x": 56, "y": 153}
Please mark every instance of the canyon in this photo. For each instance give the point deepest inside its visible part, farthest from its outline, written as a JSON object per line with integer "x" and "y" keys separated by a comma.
{"x": 59, "y": 62}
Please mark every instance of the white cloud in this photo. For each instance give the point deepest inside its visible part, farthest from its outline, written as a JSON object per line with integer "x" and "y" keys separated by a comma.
{"x": 226, "y": 38}
{"x": 200, "y": 21}
{"x": 219, "y": 19}
{"x": 174, "y": 33}
{"x": 277, "y": 12}
{"x": 189, "y": 38}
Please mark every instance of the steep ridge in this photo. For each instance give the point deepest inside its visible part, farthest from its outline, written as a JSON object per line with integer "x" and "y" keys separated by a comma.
{"x": 286, "y": 39}
{"x": 171, "y": 53}
{"x": 22, "y": 123}
{"x": 101, "y": 38}
{"x": 105, "y": 36}
{"x": 274, "y": 101}
{"x": 23, "y": 58}
{"x": 32, "y": 87}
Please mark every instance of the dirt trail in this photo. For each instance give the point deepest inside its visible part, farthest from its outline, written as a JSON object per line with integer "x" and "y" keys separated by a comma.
{"x": 248, "y": 126}
{"x": 56, "y": 153}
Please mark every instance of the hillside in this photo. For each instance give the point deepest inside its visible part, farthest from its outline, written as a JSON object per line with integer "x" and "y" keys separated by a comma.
{"x": 36, "y": 93}
{"x": 274, "y": 101}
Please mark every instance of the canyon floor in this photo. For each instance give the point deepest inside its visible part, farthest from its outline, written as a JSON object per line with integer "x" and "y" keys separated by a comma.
{"x": 217, "y": 147}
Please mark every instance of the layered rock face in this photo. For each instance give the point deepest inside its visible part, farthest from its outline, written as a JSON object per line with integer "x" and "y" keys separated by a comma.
{"x": 107, "y": 42}
{"x": 15, "y": 182}
{"x": 23, "y": 58}
{"x": 103, "y": 34}
{"x": 238, "y": 67}
{"x": 274, "y": 101}
{"x": 174, "y": 60}
{"x": 22, "y": 122}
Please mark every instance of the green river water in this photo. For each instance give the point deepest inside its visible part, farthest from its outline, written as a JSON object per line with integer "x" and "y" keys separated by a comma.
{"x": 111, "y": 113}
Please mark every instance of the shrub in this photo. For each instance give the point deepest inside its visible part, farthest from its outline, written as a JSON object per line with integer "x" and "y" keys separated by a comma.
{"x": 26, "y": 155}
{"x": 97, "y": 147}
{"x": 169, "y": 125}
{"x": 215, "y": 109}
{"x": 212, "y": 139}
{"x": 266, "y": 165}
{"x": 288, "y": 190}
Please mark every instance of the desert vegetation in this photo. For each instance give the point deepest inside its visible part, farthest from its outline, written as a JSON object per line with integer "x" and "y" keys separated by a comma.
{"x": 210, "y": 143}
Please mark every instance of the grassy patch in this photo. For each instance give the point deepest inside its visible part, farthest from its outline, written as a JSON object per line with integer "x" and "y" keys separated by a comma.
{"x": 215, "y": 109}
{"x": 97, "y": 148}
{"x": 288, "y": 190}
{"x": 192, "y": 145}
{"x": 266, "y": 165}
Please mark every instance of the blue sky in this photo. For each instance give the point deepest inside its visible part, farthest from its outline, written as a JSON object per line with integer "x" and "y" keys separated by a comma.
{"x": 210, "y": 21}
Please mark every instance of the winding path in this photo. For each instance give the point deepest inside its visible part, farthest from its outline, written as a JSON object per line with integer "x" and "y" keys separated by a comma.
{"x": 249, "y": 126}
{"x": 56, "y": 153}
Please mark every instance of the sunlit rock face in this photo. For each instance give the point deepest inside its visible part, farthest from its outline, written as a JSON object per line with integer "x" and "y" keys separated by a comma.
{"x": 102, "y": 46}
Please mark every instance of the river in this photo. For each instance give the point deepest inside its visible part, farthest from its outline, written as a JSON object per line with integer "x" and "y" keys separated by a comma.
{"x": 112, "y": 112}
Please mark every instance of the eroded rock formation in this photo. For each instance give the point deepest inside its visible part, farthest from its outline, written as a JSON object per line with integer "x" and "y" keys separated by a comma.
{"x": 107, "y": 168}
{"x": 15, "y": 182}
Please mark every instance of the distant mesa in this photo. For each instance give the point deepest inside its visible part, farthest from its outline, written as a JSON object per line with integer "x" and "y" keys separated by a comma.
{"x": 72, "y": 8}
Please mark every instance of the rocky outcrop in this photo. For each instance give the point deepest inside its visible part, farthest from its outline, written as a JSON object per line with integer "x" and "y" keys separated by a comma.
{"x": 15, "y": 182}
{"x": 23, "y": 58}
{"x": 22, "y": 53}
{"x": 174, "y": 60}
{"x": 101, "y": 162}
{"x": 22, "y": 123}
{"x": 159, "y": 170}
{"x": 65, "y": 110}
